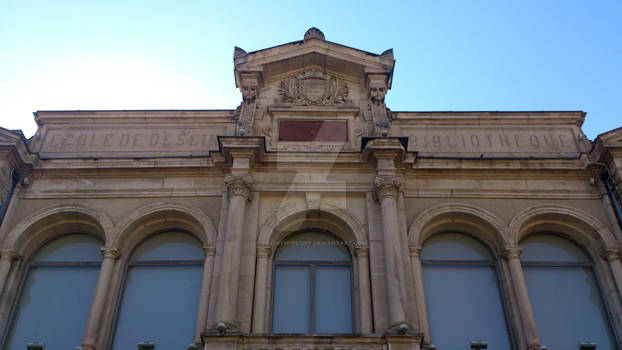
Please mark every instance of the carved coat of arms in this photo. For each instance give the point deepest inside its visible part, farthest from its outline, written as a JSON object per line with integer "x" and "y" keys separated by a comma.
{"x": 312, "y": 87}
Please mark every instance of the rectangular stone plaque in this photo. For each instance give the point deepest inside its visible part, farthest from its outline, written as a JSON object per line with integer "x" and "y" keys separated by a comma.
{"x": 313, "y": 130}
{"x": 491, "y": 141}
{"x": 131, "y": 141}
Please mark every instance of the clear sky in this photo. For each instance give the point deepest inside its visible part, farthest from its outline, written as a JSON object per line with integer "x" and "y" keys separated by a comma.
{"x": 451, "y": 55}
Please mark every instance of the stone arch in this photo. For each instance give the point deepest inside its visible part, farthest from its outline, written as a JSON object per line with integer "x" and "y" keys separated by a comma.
{"x": 293, "y": 218}
{"x": 459, "y": 217}
{"x": 161, "y": 216}
{"x": 46, "y": 224}
{"x": 580, "y": 227}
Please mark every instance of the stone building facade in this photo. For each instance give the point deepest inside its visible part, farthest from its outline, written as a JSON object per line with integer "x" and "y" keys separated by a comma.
{"x": 311, "y": 150}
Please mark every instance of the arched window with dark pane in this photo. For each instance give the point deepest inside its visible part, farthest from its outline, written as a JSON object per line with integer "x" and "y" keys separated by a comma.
{"x": 56, "y": 294}
{"x": 462, "y": 293}
{"x": 312, "y": 285}
{"x": 161, "y": 293}
{"x": 564, "y": 293}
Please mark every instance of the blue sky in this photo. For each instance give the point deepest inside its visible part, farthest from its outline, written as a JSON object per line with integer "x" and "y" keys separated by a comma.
{"x": 451, "y": 55}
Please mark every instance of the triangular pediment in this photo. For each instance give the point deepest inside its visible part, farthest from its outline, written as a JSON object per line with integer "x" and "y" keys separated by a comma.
{"x": 8, "y": 137}
{"x": 611, "y": 138}
{"x": 314, "y": 50}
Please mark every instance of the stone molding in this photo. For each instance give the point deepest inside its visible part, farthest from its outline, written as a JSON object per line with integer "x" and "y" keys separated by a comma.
{"x": 239, "y": 185}
{"x": 361, "y": 251}
{"x": 209, "y": 250}
{"x": 387, "y": 186}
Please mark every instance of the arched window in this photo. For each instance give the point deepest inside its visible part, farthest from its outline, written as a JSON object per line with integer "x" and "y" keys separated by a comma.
{"x": 312, "y": 285}
{"x": 161, "y": 293}
{"x": 564, "y": 294}
{"x": 462, "y": 293}
{"x": 56, "y": 294}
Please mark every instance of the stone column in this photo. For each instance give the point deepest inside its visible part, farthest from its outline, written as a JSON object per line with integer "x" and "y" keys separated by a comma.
{"x": 512, "y": 255}
{"x": 613, "y": 257}
{"x": 387, "y": 188}
{"x": 98, "y": 305}
{"x": 365, "y": 313}
{"x": 261, "y": 281}
{"x": 6, "y": 259}
{"x": 239, "y": 190}
{"x": 422, "y": 311}
{"x": 206, "y": 284}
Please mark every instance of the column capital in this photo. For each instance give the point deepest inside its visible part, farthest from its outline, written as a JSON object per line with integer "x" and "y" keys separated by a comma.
{"x": 415, "y": 251}
{"x": 387, "y": 186}
{"x": 611, "y": 254}
{"x": 209, "y": 250}
{"x": 8, "y": 254}
{"x": 264, "y": 251}
{"x": 239, "y": 185}
{"x": 361, "y": 251}
{"x": 512, "y": 252}
{"x": 110, "y": 253}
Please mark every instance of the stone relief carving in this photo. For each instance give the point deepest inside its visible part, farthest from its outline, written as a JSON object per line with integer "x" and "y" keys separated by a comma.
{"x": 387, "y": 186}
{"x": 246, "y": 113}
{"x": 379, "y": 112}
{"x": 312, "y": 87}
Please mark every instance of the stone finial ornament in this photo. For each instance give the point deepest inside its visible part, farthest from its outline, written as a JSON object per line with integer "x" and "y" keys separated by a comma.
{"x": 314, "y": 33}
{"x": 238, "y": 52}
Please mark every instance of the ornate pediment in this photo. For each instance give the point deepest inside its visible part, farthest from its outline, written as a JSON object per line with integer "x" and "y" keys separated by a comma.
{"x": 311, "y": 87}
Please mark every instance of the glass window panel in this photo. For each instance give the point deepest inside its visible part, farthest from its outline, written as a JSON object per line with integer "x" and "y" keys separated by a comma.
{"x": 159, "y": 304}
{"x": 291, "y": 299}
{"x": 551, "y": 248}
{"x": 464, "y": 305}
{"x": 333, "y": 303}
{"x": 567, "y": 306}
{"x": 312, "y": 246}
{"x": 454, "y": 246}
{"x": 75, "y": 247}
{"x": 169, "y": 246}
{"x": 53, "y": 307}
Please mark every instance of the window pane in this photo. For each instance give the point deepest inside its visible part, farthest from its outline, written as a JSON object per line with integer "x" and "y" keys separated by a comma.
{"x": 551, "y": 248}
{"x": 169, "y": 246}
{"x": 159, "y": 304}
{"x": 53, "y": 307}
{"x": 76, "y": 247}
{"x": 567, "y": 306}
{"x": 454, "y": 246}
{"x": 312, "y": 246}
{"x": 333, "y": 303}
{"x": 464, "y": 305}
{"x": 291, "y": 299}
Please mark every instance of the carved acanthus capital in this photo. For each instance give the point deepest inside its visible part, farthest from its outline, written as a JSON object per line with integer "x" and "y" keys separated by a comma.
{"x": 264, "y": 251}
{"x": 387, "y": 186}
{"x": 512, "y": 252}
{"x": 239, "y": 185}
{"x": 8, "y": 254}
{"x": 415, "y": 251}
{"x": 611, "y": 254}
{"x": 110, "y": 253}
{"x": 361, "y": 251}
{"x": 210, "y": 250}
